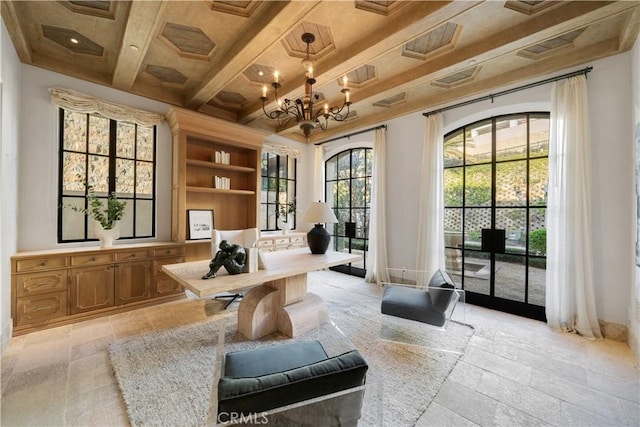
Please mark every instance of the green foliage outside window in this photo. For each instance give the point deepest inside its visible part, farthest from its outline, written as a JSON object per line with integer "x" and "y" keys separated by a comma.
{"x": 538, "y": 241}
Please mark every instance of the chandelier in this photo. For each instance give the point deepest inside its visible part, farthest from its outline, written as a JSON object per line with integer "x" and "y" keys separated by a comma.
{"x": 304, "y": 111}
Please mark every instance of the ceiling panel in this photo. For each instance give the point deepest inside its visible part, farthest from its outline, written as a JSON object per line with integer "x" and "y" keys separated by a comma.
{"x": 400, "y": 56}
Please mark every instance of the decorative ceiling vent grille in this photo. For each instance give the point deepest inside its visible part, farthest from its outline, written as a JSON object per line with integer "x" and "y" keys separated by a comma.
{"x": 190, "y": 42}
{"x": 260, "y": 74}
{"x": 101, "y": 9}
{"x": 322, "y": 45}
{"x": 458, "y": 78}
{"x": 72, "y": 40}
{"x": 378, "y": 6}
{"x": 240, "y": 8}
{"x": 392, "y": 100}
{"x": 166, "y": 74}
{"x": 442, "y": 38}
{"x": 528, "y": 7}
{"x": 551, "y": 46}
{"x": 360, "y": 76}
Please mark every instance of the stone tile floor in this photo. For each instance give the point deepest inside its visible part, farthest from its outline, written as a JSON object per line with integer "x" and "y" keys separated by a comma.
{"x": 515, "y": 372}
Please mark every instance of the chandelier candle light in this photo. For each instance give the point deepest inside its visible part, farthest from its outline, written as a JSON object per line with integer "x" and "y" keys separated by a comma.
{"x": 302, "y": 110}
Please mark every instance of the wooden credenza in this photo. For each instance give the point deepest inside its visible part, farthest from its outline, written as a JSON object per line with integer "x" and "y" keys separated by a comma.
{"x": 54, "y": 287}
{"x": 277, "y": 241}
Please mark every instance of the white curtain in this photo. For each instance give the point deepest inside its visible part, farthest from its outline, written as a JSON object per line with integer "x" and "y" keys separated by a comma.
{"x": 430, "y": 250}
{"x": 570, "y": 295}
{"x": 377, "y": 255}
{"x": 318, "y": 174}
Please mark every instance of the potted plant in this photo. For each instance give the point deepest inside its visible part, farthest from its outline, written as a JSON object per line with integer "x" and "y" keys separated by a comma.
{"x": 105, "y": 219}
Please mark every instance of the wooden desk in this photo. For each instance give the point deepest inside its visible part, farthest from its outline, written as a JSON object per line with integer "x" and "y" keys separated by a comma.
{"x": 280, "y": 302}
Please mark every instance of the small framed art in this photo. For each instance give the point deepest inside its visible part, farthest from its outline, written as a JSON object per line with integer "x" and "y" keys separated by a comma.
{"x": 200, "y": 223}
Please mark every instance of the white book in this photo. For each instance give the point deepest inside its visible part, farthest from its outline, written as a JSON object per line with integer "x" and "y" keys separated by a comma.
{"x": 217, "y": 157}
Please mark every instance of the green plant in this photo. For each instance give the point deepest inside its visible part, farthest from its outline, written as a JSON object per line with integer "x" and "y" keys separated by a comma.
{"x": 106, "y": 217}
{"x": 538, "y": 241}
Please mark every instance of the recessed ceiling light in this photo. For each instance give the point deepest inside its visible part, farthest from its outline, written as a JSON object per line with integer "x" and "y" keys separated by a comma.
{"x": 261, "y": 73}
{"x": 74, "y": 40}
{"x": 472, "y": 62}
{"x": 134, "y": 47}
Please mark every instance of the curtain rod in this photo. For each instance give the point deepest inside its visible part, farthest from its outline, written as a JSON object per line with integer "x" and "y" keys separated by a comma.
{"x": 508, "y": 91}
{"x": 352, "y": 134}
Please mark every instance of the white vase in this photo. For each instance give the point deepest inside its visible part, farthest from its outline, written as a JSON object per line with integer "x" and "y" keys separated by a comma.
{"x": 284, "y": 226}
{"x": 106, "y": 237}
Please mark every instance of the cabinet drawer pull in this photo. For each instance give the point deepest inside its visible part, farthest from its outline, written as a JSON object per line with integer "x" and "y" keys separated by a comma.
{"x": 92, "y": 259}
{"x": 37, "y": 285}
{"x": 42, "y": 264}
{"x": 43, "y": 308}
{"x": 168, "y": 251}
{"x": 132, "y": 256}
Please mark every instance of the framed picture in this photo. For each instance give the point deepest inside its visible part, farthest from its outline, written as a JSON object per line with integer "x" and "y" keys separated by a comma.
{"x": 200, "y": 223}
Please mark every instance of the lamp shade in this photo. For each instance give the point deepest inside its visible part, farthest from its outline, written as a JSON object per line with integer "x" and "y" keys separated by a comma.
{"x": 318, "y": 237}
{"x": 319, "y": 212}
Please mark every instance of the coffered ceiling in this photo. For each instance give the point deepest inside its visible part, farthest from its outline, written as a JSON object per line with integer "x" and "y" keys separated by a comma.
{"x": 399, "y": 56}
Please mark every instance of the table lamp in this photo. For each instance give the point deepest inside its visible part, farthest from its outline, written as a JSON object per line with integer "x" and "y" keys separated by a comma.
{"x": 318, "y": 237}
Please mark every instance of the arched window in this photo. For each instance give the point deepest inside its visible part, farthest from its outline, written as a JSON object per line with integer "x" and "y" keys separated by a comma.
{"x": 495, "y": 198}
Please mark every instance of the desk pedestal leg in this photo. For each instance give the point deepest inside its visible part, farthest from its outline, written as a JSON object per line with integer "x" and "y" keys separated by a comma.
{"x": 300, "y": 317}
{"x": 282, "y": 305}
{"x": 258, "y": 312}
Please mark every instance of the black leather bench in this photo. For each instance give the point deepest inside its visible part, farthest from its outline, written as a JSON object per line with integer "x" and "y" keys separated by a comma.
{"x": 258, "y": 380}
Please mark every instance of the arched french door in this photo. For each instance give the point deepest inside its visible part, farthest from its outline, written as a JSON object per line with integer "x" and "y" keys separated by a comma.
{"x": 495, "y": 185}
{"x": 348, "y": 192}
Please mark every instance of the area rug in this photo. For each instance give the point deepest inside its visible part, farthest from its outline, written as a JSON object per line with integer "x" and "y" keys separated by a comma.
{"x": 166, "y": 377}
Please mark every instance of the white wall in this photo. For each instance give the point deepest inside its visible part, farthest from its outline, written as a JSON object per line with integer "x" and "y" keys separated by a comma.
{"x": 38, "y": 178}
{"x": 612, "y": 185}
{"x": 10, "y": 77}
{"x": 613, "y": 175}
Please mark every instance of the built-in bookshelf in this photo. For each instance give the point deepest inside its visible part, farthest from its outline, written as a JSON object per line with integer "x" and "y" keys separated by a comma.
{"x": 215, "y": 167}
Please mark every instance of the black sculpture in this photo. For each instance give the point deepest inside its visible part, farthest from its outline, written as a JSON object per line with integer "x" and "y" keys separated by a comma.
{"x": 231, "y": 257}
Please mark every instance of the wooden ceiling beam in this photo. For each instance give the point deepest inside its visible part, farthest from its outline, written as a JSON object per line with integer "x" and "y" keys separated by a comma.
{"x": 477, "y": 88}
{"x": 266, "y": 26}
{"x": 413, "y": 20}
{"x": 10, "y": 16}
{"x": 141, "y": 28}
{"x": 556, "y": 21}
{"x": 629, "y": 33}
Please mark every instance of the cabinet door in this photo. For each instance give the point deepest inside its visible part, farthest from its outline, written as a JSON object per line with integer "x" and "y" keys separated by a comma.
{"x": 91, "y": 288}
{"x": 132, "y": 282}
{"x": 41, "y": 308}
{"x": 163, "y": 284}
